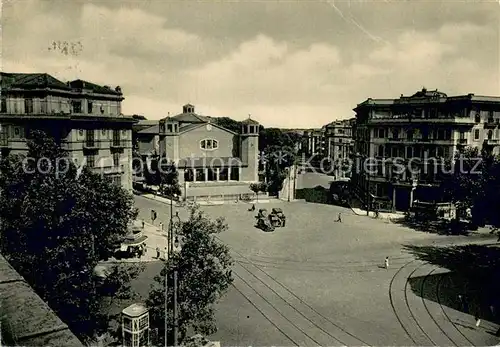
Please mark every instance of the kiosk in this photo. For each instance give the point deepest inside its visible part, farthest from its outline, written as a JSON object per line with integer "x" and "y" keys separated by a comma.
{"x": 135, "y": 326}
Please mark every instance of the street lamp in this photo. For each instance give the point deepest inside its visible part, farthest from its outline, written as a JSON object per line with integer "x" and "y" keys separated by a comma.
{"x": 172, "y": 246}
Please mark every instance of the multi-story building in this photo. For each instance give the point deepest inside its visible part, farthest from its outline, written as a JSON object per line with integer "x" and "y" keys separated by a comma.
{"x": 339, "y": 145}
{"x": 214, "y": 163}
{"x": 83, "y": 117}
{"x": 422, "y": 131}
{"x": 313, "y": 143}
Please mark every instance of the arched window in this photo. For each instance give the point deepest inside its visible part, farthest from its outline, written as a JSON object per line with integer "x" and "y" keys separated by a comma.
{"x": 477, "y": 118}
{"x": 209, "y": 144}
{"x": 490, "y": 134}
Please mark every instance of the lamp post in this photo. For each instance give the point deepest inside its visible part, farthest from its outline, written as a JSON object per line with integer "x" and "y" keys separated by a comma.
{"x": 172, "y": 246}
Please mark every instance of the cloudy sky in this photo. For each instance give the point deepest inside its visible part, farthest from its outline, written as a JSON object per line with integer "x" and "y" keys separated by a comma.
{"x": 287, "y": 63}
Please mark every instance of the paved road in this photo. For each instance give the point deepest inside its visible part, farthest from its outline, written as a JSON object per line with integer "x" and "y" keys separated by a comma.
{"x": 317, "y": 282}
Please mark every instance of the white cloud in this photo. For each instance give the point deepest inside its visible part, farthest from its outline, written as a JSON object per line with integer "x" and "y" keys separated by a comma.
{"x": 280, "y": 82}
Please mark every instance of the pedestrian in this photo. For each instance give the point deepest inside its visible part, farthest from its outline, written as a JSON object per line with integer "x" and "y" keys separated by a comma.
{"x": 478, "y": 320}
{"x": 386, "y": 263}
{"x": 252, "y": 208}
{"x": 165, "y": 252}
{"x": 157, "y": 252}
{"x": 160, "y": 226}
{"x": 339, "y": 218}
{"x": 143, "y": 224}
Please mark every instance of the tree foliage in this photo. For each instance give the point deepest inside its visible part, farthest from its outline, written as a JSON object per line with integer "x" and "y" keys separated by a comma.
{"x": 169, "y": 180}
{"x": 204, "y": 275}
{"x": 258, "y": 188}
{"x": 228, "y": 123}
{"x": 475, "y": 185}
{"x": 56, "y": 224}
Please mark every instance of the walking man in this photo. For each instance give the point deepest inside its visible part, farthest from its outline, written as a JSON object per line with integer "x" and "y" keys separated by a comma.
{"x": 386, "y": 262}
{"x": 157, "y": 252}
{"x": 478, "y": 320}
{"x": 339, "y": 218}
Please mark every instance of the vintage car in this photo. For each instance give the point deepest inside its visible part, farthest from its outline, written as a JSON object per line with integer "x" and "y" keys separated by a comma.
{"x": 278, "y": 213}
{"x": 263, "y": 220}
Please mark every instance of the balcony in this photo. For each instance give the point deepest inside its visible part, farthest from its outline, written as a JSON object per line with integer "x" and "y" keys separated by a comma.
{"x": 490, "y": 123}
{"x": 90, "y": 144}
{"x": 107, "y": 169}
{"x": 4, "y": 141}
{"x": 492, "y": 142}
{"x": 117, "y": 143}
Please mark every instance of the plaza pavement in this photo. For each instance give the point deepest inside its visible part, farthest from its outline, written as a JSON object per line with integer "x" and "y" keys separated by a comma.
{"x": 318, "y": 282}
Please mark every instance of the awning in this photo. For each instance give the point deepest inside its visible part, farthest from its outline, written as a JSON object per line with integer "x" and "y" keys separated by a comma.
{"x": 136, "y": 242}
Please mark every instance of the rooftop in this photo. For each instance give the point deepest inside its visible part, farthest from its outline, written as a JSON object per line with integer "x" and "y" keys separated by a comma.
{"x": 26, "y": 320}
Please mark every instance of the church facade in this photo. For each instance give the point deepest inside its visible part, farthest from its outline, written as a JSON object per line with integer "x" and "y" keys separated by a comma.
{"x": 214, "y": 163}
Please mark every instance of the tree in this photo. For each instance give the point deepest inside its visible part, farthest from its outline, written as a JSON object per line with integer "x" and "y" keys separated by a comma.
{"x": 475, "y": 185}
{"x": 152, "y": 175}
{"x": 169, "y": 180}
{"x": 258, "y": 187}
{"x": 228, "y": 123}
{"x": 204, "y": 275}
{"x": 56, "y": 224}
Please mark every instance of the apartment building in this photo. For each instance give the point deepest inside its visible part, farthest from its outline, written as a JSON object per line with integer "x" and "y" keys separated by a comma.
{"x": 422, "y": 131}
{"x": 339, "y": 145}
{"x": 313, "y": 143}
{"x": 83, "y": 117}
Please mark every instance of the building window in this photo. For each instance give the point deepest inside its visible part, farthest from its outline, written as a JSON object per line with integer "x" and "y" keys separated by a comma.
{"x": 90, "y": 139}
{"x": 394, "y": 152}
{"x": 235, "y": 174}
{"x": 381, "y": 133}
{"x": 381, "y": 151}
{"x": 200, "y": 175}
{"x": 116, "y": 159}
{"x": 91, "y": 161}
{"x": 77, "y": 107}
{"x": 28, "y": 105}
{"x": 3, "y": 105}
{"x": 17, "y": 132}
{"x": 476, "y": 134}
{"x": 116, "y": 137}
{"x": 117, "y": 180}
{"x": 103, "y": 132}
{"x": 169, "y": 128}
{"x": 188, "y": 175}
{"x": 490, "y": 134}
{"x": 211, "y": 174}
{"x": 89, "y": 107}
{"x": 409, "y": 152}
{"x": 395, "y": 133}
{"x": 209, "y": 144}
{"x": 417, "y": 152}
{"x": 462, "y": 135}
{"x": 440, "y": 134}
{"x": 250, "y": 129}
{"x": 409, "y": 134}
{"x": 223, "y": 174}
{"x": 477, "y": 118}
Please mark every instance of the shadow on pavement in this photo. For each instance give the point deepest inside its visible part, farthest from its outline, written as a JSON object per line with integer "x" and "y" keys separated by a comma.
{"x": 440, "y": 227}
{"x": 474, "y": 274}
{"x": 318, "y": 195}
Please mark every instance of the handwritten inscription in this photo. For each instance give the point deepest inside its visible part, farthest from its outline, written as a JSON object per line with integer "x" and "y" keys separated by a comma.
{"x": 66, "y": 48}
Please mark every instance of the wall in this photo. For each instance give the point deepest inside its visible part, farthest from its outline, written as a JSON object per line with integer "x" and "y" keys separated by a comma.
{"x": 189, "y": 143}
{"x": 250, "y": 157}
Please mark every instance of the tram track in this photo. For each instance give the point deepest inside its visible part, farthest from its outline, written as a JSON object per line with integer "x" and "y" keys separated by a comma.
{"x": 438, "y": 295}
{"x": 311, "y": 323}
